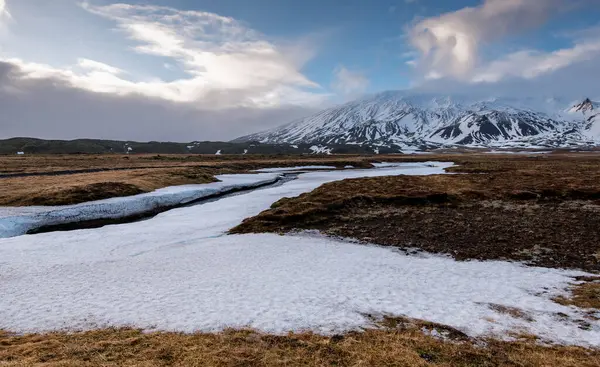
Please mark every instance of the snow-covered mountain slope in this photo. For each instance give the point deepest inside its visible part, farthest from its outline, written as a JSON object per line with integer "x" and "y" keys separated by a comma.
{"x": 590, "y": 111}
{"x": 396, "y": 119}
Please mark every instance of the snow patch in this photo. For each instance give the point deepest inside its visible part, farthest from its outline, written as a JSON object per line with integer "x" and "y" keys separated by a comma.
{"x": 318, "y": 149}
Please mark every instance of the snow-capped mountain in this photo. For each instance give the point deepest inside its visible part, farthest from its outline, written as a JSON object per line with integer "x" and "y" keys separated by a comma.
{"x": 590, "y": 111}
{"x": 396, "y": 119}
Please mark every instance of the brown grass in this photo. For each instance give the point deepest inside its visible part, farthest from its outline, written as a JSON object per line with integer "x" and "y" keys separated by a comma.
{"x": 52, "y": 163}
{"x": 583, "y": 295}
{"x": 399, "y": 342}
{"x": 77, "y": 188}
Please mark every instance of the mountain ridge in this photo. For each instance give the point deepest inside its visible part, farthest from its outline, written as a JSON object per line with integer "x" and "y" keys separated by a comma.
{"x": 399, "y": 120}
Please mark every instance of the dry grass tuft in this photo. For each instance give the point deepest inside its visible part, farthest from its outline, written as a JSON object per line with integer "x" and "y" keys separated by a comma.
{"x": 511, "y": 311}
{"x": 583, "y": 295}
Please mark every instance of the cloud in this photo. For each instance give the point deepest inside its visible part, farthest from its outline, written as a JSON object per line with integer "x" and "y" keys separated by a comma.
{"x": 450, "y": 59}
{"x": 217, "y": 53}
{"x": 449, "y": 44}
{"x": 4, "y": 13}
{"x": 225, "y": 63}
{"x": 230, "y": 81}
{"x": 5, "y": 16}
{"x": 349, "y": 84}
{"x": 92, "y": 65}
{"x": 529, "y": 64}
{"x": 49, "y": 106}
{"x": 569, "y": 83}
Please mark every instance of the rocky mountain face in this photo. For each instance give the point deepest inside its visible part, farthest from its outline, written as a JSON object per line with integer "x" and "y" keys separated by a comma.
{"x": 401, "y": 121}
{"x": 591, "y": 118}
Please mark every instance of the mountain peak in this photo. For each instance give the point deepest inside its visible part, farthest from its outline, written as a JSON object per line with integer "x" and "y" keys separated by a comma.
{"x": 584, "y": 107}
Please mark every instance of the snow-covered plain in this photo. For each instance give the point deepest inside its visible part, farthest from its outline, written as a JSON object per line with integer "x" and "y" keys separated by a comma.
{"x": 15, "y": 221}
{"x": 181, "y": 271}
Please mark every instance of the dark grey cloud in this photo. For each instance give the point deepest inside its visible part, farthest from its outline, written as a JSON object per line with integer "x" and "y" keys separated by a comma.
{"x": 52, "y": 108}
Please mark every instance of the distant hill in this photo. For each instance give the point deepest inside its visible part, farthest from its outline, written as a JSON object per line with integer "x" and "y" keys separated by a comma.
{"x": 96, "y": 146}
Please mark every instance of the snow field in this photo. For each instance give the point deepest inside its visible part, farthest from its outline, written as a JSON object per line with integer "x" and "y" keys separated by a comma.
{"x": 180, "y": 271}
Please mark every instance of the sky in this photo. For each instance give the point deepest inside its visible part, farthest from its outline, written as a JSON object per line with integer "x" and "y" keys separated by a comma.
{"x": 184, "y": 70}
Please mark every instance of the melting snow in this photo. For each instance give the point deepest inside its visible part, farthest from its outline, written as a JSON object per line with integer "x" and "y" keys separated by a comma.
{"x": 180, "y": 271}
{"x": 16, "y": 221}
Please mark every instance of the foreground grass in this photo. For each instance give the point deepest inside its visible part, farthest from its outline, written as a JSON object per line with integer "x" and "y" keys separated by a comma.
{"x": 398, "y": 343}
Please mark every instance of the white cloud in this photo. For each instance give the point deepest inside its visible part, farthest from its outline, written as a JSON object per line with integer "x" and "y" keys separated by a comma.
{"x": 449, "y": 44}
{"x": 218, "y": 53}
{"x": 4, "y": 13}
{"x": 93, "y": 66}
{"x": 348, "y": 83}
{"x": 227, "y": 64}
{"x": 4, "y": 18}
{"x": 530, "y": 64}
